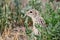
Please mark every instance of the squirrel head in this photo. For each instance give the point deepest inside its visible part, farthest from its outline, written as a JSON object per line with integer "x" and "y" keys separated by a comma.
{"x": 32, "y": 13}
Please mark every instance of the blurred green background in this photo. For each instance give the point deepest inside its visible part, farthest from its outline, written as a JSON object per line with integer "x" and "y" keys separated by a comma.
{"x": 13, "y": 12}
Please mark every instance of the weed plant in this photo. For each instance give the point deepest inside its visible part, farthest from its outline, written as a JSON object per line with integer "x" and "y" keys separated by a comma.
{"x": 15, "y": 13}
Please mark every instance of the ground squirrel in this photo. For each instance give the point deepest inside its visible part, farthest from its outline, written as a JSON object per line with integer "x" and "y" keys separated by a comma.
{"x": 36, "y": 18}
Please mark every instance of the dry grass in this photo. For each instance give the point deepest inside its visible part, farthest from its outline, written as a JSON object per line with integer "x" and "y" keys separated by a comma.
{"x": 9, "y": 34}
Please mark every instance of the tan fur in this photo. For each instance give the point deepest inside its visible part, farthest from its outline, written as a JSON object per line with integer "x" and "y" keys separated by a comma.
{"x": 36, "y": 18}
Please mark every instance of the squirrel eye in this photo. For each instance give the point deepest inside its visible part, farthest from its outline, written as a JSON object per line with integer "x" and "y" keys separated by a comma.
{"x": 30, "y": 11}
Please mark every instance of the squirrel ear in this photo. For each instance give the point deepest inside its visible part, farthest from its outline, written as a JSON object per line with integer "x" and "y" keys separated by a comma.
{"x": 36, "y": 12}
